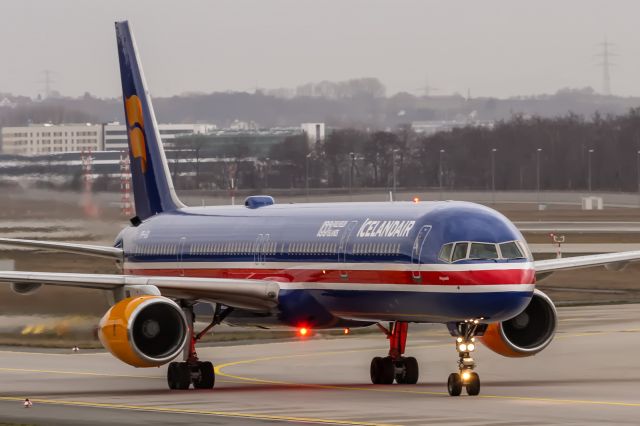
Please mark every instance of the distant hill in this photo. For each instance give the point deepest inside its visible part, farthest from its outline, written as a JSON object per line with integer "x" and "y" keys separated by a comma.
{"x": 360, "y": 109}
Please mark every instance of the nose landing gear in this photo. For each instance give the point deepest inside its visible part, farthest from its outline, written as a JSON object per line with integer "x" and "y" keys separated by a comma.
{"x": 465, "y": 345}
{"x": 395, "y": 366}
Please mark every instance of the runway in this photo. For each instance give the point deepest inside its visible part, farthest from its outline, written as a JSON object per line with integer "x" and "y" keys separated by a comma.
{"x": 589, "y": 375}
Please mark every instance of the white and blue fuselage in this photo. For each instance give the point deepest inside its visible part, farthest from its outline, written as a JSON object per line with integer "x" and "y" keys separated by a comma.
{"x": 339, "y": 263}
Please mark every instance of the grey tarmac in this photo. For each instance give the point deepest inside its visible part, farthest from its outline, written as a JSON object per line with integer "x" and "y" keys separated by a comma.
{"x": 589, "y": 375}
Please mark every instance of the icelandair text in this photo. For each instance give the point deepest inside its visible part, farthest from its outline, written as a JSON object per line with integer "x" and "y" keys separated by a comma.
{"x": 386, "y": 228}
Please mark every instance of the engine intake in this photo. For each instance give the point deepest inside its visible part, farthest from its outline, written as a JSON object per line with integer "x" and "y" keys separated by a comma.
{"x": 25, "y": 289}
{"x": 144, "y": 331}
{"x": 527, "y": 333}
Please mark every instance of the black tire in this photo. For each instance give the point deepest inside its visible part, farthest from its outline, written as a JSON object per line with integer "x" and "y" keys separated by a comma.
{"x": 172, "y": 376}
{"x": 473, "y": 385}
{"x": 207, "y": 377}
{"x": 401, "y": 376}
{"x": 454, "y": 384}
{"x": 411, "y": 371}
{"x": 388, "y": 371}
{"x": 182, "y": 376}
{"x": 376, "y": 370}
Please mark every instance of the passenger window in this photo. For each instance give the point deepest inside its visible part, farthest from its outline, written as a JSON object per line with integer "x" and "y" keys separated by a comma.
{"x": 483, "y": 251}
{"x": 445, "y": 252}
{"x": 511, "y": 250}
{"x": 459, "y": 252}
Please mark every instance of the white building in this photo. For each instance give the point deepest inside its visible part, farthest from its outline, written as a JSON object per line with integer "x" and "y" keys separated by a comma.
{"x": 314, "y": 132}
{"x": 115, "y": 134}
{"x": 38, "y": 139}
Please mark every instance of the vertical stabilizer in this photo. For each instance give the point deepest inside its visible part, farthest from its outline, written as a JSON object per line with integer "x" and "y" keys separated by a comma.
{"x": 152, "y": 186}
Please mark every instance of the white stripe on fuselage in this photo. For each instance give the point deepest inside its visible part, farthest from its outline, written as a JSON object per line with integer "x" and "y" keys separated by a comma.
{"x": 417, "y": 288}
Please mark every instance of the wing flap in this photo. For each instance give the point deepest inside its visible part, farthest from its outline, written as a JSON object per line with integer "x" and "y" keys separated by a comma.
{"x": 84, "y": 249}
{"x": 260, "y": 295}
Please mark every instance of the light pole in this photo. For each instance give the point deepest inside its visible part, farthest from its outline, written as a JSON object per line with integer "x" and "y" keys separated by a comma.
{"x": 352, "y": 156}
{"x": 440, "y": 172}
{"x": 306, "y": 175}
{"x": 493, "y": 175}
{"x": 266, "y": 174}
{"x": 589, "y": 168}
{"x": 395, "y": 153}
{"x": 538, "y": 151}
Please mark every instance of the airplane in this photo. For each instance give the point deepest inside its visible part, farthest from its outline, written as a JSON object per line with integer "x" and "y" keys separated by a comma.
{"x": 306, "y": 266}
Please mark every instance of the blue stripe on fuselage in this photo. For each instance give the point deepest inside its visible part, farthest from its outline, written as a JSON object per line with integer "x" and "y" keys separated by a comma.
{"x": 314, "y": 307}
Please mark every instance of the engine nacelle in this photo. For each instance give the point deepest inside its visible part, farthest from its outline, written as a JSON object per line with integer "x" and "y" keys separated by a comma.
{"x": 527, "y": 333}
{"x": 144, "y": 331}
{"x": 25, "y": 289}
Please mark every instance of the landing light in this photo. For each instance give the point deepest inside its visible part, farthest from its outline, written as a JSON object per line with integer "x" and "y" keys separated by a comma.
{"x": 416, "y": 199}
{"x": 471, "y": 347}
{"x": 347, "y": 331}
{"x": 465, "y": 375}
{"x": 462, "y": 347}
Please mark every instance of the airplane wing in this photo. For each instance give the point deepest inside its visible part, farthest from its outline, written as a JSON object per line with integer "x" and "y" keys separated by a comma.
{"x": 257, "y": 295}
{"x": 612, "y": 261}
{"x": 84, "y": 249}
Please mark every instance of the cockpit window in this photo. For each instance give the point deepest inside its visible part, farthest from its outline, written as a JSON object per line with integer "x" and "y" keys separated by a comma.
{"x": 445, "y": 252}
{"x": 483, "y": 251}
{"x": 452, "y": 252}
{"x": 460, "y": 251}
{"x": 511, "y": 250}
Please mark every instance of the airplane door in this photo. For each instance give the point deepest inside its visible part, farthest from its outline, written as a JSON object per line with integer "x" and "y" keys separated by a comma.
{"x": 182, "y": 246}
{"x": 416, "y": 251}
{"x": 342, "y": 245}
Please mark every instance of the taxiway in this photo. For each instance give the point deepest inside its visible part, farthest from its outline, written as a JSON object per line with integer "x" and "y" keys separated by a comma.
{"x": 589, "y": 375}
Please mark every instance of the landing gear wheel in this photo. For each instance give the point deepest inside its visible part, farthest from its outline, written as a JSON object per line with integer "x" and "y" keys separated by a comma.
{"x": 179, "y": 376}
{"x": 375, "y": 370}
{"x": 412, "y": 372}
{"x": 382, "y": 371}
{"x": 409, "y": 371}
{"x": 454, "y": 384}
{"x": 206, "y": 376}
{"x": 171, "y": 376}
{"x": 473, "y": 384}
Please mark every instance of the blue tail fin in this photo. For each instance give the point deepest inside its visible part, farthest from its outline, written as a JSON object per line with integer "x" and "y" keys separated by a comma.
{"x": 152, "y": 187}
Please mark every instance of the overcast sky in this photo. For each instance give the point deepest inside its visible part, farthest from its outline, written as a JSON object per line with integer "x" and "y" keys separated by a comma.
{"x": 494, "y": 47}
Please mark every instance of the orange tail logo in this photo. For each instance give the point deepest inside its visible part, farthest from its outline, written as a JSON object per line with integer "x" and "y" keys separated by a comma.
{"x": 133, "y": 107}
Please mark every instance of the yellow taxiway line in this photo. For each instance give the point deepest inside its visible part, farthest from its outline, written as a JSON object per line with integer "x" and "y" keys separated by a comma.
{"x": 386, "y": 388}
{"x": 253, "y": 416}
{"x": 257, "y": 416}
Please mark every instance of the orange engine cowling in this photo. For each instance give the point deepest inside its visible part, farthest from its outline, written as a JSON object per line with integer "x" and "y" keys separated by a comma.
{"x": 527, "y": 333}
{"x": 144, "y": 331}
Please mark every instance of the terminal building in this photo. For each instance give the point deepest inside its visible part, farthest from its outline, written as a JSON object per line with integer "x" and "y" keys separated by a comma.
{"x": 37, "y": 139}
{"x": 115, "y": 134}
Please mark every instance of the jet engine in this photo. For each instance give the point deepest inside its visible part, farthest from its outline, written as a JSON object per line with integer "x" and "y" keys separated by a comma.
{"x": 144, "y": 331}
{"x": 527, "y": 333}
{"x": 25, "y": 289}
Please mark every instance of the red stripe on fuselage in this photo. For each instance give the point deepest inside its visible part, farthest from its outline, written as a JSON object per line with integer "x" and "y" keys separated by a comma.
{"x": 474, "y": 277}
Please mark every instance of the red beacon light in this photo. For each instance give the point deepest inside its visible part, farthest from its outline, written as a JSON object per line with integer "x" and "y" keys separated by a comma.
{"x": 303, "y": 331}
{"x": 346, "y": 331}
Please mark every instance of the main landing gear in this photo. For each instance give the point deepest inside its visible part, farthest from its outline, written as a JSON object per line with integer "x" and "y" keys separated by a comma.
{"x": 404, "y": 370}
{"x": 465, "y": 333}
{"x": 181, "y": 375}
